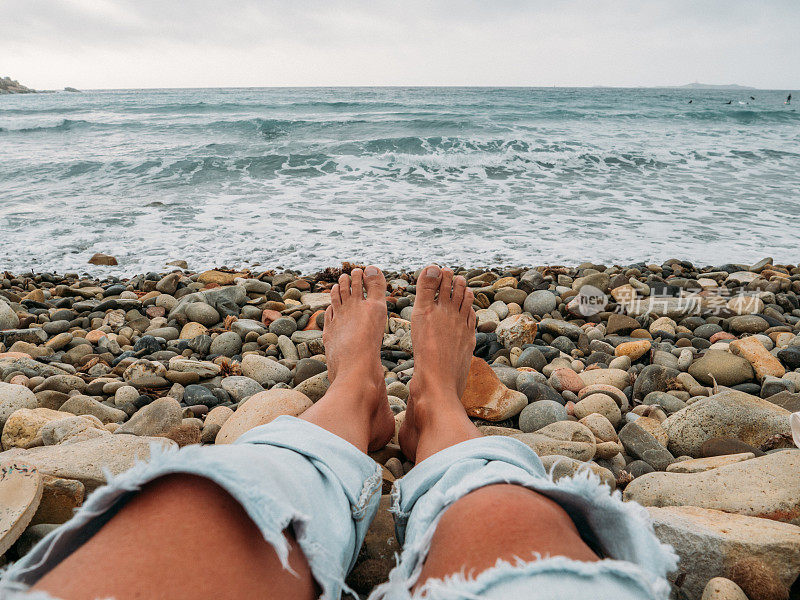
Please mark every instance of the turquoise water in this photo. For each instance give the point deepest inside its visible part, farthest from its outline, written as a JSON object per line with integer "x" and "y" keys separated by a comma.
{"x": 305, "y": 178}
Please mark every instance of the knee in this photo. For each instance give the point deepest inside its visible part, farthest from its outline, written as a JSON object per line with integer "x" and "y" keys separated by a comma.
{"x": 503, "y": 505}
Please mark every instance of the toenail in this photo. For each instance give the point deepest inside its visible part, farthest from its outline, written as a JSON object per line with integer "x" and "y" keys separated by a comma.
{"x": 371, "y": 271}
{"x": 432, "y": 271}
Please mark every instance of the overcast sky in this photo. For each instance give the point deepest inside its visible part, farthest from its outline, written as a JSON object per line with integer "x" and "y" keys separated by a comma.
{"x": 209, "y": 43}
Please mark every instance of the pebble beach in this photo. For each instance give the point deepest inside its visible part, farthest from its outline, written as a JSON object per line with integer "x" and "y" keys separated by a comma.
{"x": 672, "y": 383}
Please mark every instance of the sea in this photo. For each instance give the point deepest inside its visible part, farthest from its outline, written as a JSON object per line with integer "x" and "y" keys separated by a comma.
{"x": 306, "y": 178}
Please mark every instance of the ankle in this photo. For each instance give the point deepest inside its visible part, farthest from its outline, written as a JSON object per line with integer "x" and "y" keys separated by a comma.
{"x": 427, "y": 391}
{"x": 432, "y": 410}
{"x": 361, "y": 387}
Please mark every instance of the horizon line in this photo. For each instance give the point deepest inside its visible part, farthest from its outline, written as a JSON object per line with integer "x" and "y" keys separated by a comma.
{"x": 687, "y": 87}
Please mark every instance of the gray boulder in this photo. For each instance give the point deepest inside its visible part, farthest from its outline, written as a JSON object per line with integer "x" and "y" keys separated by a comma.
{"x": 765, "y": 487}
{"x": 726, "y": 414}
{"x": 710, "y": 542}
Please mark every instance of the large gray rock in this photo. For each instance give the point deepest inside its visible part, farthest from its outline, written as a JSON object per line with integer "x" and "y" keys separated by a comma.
{"x": 642, "y": 444}
{"x": 540, "y": 302}
{"x": 84, "y": 405}
{"x": 202, "y": 313}
{"x": 540, "y": 414}
{"x": 228, "y": 343}
{"x": 62, "y": 383}
{"x": 557, "y": 327}
{"x": 29, "y": 367}
{"x": 244, "y": 326}
{"x": 85, "y": 461}
{"x": 13, "y": 397}
{"x": 709, "y": 543}
{"x": 533, "y": 358}
{"x": 240, "y": 387}
{"x": 156, "y": 418}
{"x": 31, "y": 336}
{"x": 315, "y": 386}
{"x": 264, "y": 369}
{"x": 726, "y": 368}
{"x": 727, "y": 414}
{"x": 8, "y": 318}
{"x": 766, "y": 487}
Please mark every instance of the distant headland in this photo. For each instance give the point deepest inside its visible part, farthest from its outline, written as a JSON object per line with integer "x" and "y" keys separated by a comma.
{"x": 11, "y": 86}
{"x": 709, "y": 86}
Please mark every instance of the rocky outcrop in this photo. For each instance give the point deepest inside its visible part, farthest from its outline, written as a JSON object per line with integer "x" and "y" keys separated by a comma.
{"x": 10, "y": 86}
{"x": 710, "y": 543}
{"x": 727, "y": 414}
{"x": 766, "y": 487}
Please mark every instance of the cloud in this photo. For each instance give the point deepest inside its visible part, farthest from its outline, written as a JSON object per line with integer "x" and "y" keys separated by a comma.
{"x": 152, "y": 43}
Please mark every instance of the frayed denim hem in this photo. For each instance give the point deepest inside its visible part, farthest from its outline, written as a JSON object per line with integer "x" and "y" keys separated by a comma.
{"x": 279, "y": 476}
{"x": 620, "y": 531}
{"x": 576, "y": 579}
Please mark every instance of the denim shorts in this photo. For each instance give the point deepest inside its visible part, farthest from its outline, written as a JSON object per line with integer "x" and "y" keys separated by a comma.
{"x": 293, "y": 474}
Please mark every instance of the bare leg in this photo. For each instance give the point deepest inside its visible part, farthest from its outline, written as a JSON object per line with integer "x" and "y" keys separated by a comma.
{"x": 482, "y": 526}
{"x": 443, "y": 337}
{"x": 182, "y": 537}
{"x": 185, "y": 537}
{"x": 355, "y": 406}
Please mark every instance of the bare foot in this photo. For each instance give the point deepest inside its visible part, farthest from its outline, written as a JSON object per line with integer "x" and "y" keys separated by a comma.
{"x": 443, "y": 337}
{"x": 353, "y": 331}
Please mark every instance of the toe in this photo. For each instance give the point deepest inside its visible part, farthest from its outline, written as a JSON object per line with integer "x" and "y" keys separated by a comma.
{"x": 375, "y": 283}
{"x": 344, "y": 287}
{"x": 328, "y": 317}
{"x": 466, "y": 303}
{"x": 357, "y": 283}
{"x": 445, "y": 286}
{"x": 472, "y": 319}
{"x": 336, "y": 297}
{"x": 459, "y": 287}
{"x": 427, "y": 284}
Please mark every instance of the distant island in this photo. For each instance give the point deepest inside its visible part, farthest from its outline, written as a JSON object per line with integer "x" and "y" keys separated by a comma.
{"x": 709, "y": 86}
{"x": 10, "y": 86}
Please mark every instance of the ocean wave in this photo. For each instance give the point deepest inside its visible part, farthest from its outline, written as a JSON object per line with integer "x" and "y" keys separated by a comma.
{"x": 226, "y": 107}
{"x": 413, "y": 159}
{"x": 63, "y": 125}
{"x": 743, "y": 116}
{"x": 54, "y": 110}
{"x": 358, "y": 127}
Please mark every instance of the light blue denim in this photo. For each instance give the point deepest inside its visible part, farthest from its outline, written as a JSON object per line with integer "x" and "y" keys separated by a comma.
{"x": 293, "y": 474}
{"x": 287, "y": 474}
{"x": 635, "y": 563}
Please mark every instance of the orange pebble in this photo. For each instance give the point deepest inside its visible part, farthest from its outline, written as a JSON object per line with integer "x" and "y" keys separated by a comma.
{"x": 721, "y": 335}
{"x": 95, "y": 336}
{"x": 312, "y": 322}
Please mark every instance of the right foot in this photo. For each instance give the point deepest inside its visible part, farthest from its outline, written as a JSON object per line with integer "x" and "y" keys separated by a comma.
{"x": 443, "y": 339}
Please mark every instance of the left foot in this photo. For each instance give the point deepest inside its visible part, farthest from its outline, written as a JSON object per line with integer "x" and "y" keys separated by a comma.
{"x": 352, "y": 334}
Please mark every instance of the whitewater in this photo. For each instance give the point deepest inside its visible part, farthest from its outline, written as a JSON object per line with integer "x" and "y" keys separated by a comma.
{"x": 307, "y": 178}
